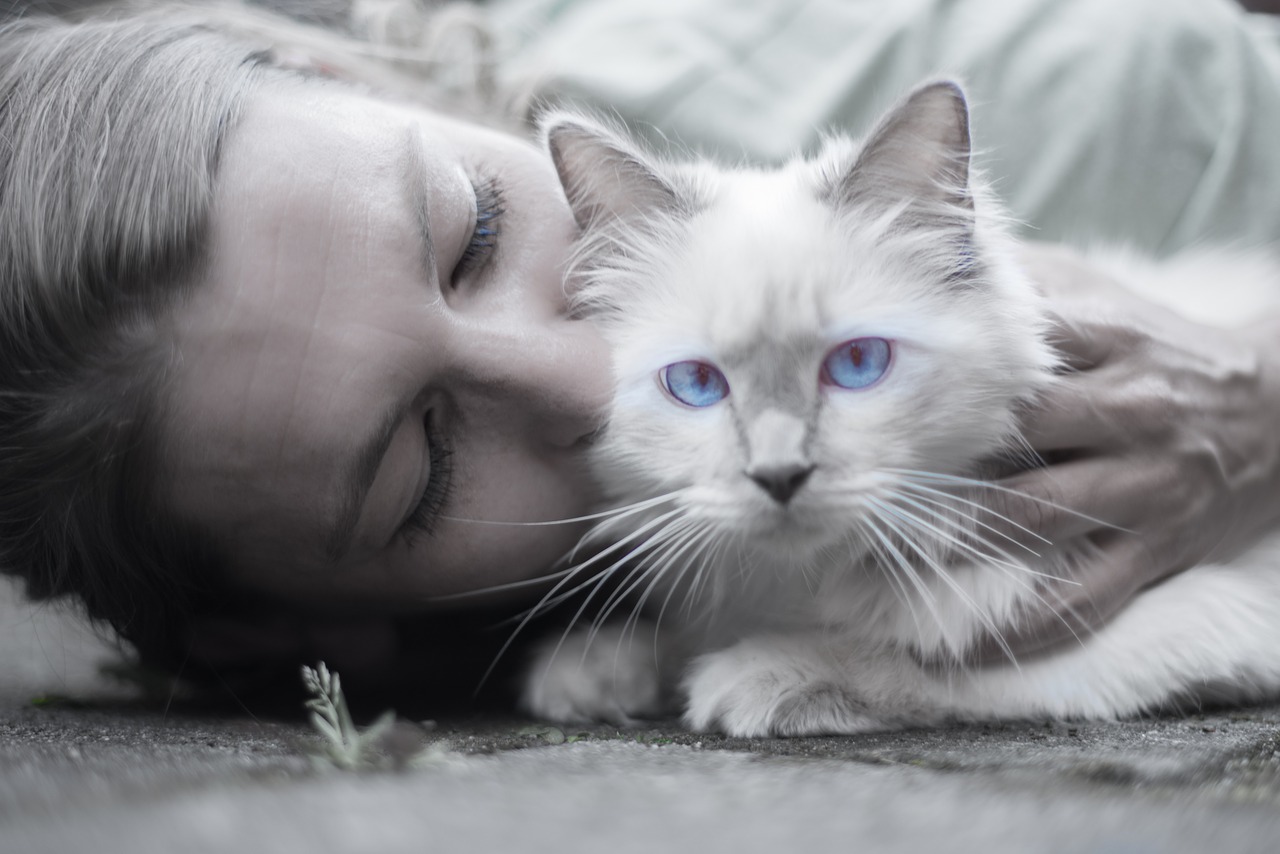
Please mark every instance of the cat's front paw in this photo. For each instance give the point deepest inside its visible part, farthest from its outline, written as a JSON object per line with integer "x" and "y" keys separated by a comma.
{"x": 609, "y": 677}
{"x": 771, "y": 686}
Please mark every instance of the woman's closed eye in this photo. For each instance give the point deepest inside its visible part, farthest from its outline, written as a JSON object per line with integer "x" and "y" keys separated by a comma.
{"x": 435, "y": 495}
{"x": 484, "y": 233}
{"x": 486, "y": 230}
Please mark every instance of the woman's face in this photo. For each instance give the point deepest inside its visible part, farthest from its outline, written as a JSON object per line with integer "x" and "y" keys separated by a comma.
{"x": 380, "y": 349}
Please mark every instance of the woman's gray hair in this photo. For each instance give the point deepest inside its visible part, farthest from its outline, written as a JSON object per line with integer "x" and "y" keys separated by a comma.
{"x": 109, "y": 141}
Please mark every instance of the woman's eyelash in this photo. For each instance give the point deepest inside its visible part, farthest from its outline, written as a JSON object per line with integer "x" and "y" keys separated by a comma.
{"x": 487, "y": 228}
{"x": 435, "y": 496}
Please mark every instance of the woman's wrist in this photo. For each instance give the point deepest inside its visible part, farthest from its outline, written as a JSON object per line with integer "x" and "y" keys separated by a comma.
{"x": 1261, "y": 497}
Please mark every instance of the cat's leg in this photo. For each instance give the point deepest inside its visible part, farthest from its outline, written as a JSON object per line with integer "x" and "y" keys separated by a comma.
{"x": 619, "y": 674}
{"x": 808, "y": 683}
{"x": 1211, "y": 634}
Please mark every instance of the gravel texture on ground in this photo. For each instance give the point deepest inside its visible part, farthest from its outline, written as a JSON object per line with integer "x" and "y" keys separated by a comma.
{"x": 84, "y": 765}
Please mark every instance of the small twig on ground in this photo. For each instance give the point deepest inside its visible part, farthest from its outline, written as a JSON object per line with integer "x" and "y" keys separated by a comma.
{"x": 346, "y": 747}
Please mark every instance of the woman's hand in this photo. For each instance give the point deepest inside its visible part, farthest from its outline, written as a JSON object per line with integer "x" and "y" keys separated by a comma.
{"x": 1164, "y": 443}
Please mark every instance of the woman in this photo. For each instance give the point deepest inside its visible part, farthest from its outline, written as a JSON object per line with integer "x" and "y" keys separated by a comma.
{"x": 216, "y": 304}
{"x": 277, "y": 349}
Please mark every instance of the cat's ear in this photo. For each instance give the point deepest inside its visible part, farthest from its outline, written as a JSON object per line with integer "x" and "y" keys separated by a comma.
{"x": 604, "y": 175}
{"x": 919, "y": 152}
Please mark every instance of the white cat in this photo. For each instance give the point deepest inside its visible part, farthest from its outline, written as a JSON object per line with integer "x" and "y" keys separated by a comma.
{"x": 811, "y": 362}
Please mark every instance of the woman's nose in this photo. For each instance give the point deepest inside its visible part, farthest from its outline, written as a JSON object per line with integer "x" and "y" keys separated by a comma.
{"x": 552, "y": 380}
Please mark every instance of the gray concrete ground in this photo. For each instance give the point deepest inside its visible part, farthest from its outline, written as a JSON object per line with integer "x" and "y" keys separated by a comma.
{"x": 96, "y": 772}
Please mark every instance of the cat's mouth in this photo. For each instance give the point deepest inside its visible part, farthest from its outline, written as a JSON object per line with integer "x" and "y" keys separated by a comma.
{"x": 792, "y": 529}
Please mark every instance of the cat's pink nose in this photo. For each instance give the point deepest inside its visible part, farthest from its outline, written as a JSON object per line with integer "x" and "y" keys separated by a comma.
{"x": 782, "y": 482}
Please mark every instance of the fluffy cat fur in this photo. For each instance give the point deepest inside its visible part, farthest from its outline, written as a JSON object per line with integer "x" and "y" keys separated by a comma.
{"x": 800, "y": 548}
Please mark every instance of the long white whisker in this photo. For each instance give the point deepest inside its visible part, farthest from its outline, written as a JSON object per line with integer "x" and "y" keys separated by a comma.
{"x": 926, "y": 595}
{"x": 920, "y": 487}
{"x": 652, "y": 546}
{"x": 716, "y": 557}
{"x": 510, "y": 585}
{"x": 899, "y": 588}
{"x": 999, "y": 555}
{"x": 1024, "y": 455}
{"x": 716, "y": 542}
{"x": 693, "y": 542}
{"x": 600, "y": 580}
{"x": 698, "y": 544}
{"x": 942, "y": 574}
{"x": 601, "y": 532}
{"x": 647, "y": 544}
{"x": 1010, "y": 568}
{"x": 691, "y": 545}
{"x": 1065, "y": 608}
{"x": 1006, "y": 563}
{"x": 969, "y": 481}
{"x": 900, "y": 561}
{"x": 934, "y": 502}
{"x": 543, "y": 605}
{"x": 651, "y": 563}
{"x": 616, "y": 515}
{"x": 616, "y": 512}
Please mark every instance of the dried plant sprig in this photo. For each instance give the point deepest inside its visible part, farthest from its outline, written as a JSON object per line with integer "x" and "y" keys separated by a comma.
{"x": 343, "y": 744}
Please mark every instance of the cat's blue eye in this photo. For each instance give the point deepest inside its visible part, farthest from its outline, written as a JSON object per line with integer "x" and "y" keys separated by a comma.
{"x": 857, "y": 364}
{"x": 695, "y": 383}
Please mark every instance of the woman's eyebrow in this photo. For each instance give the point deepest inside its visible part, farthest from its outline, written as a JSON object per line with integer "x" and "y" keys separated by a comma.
{"x": 356, "y": 480}
{"x": 415, "y": 177}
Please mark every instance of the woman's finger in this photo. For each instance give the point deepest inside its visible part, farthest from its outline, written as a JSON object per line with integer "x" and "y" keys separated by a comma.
{"x": 1061, "y": 502}
{"x": 1082, "y": 344}
{"x": 1071, "y": 414}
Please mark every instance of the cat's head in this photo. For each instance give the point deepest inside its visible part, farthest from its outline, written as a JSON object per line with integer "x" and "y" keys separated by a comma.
{"x": 789, "y": 342}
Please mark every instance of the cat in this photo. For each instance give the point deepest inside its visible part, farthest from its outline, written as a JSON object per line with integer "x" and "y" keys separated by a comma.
{"x": 815, "y": 367}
